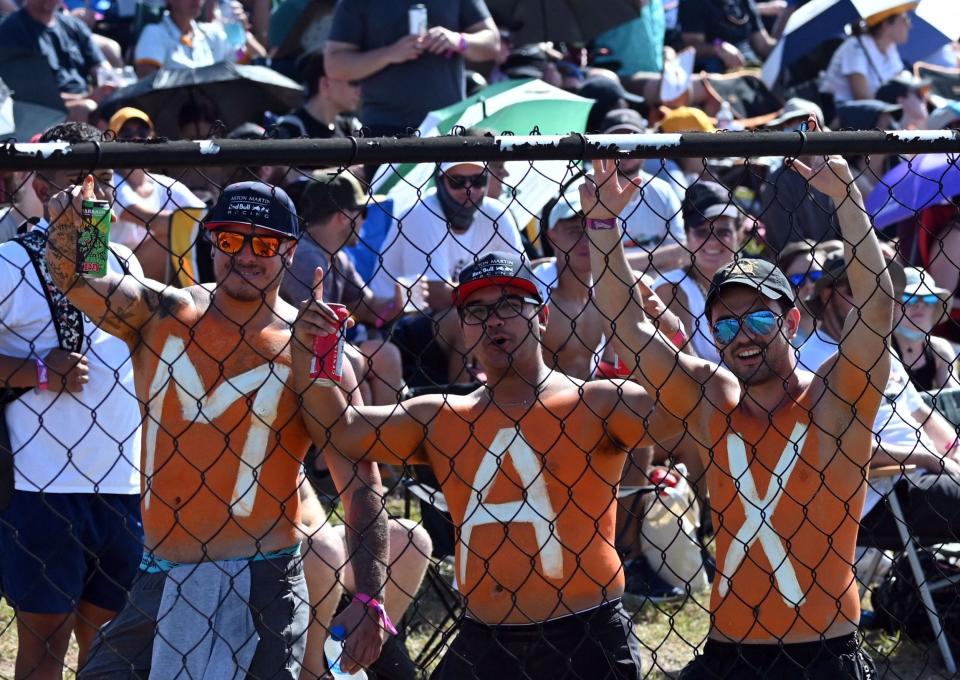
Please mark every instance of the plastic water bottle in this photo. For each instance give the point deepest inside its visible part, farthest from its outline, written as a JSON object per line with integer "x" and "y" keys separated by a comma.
{"x": 236, "y": 32}
{"x": 333, "y": 649}
{"x": 725, "y": 116}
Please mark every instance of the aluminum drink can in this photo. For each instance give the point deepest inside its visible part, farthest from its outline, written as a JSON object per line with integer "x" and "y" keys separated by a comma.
{"x": 417, "y": 15}
{"x": 326, "y": 366}
{"x": 93, "y": 239}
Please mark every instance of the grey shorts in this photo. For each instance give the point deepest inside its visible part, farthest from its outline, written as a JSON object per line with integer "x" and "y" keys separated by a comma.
{"x": 279, "y": 605}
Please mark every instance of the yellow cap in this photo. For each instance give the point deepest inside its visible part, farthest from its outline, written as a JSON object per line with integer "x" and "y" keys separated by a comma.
{"x": 118, "y": 119}
{"x": 880, "y": 17}
{"x": 687, "y": 119}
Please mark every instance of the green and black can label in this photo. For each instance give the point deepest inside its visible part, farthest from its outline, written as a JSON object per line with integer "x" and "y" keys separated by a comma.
{"x": 93, "y": 241}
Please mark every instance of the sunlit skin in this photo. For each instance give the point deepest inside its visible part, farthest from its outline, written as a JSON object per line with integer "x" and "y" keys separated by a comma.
{"x": 244, "y": 276}
{"x": 753, "y": 358}
{"x": 714, "y": 243}
{"x": 500, "y": 345}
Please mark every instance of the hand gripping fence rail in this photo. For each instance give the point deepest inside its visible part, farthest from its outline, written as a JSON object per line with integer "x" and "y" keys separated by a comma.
{"x": 591, "y": 407}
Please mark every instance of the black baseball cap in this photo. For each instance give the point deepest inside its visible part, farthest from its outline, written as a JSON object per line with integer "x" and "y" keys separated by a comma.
{"x": 755, "y": 273}
{"x": 705, "y": 201}
{"x": 329, "y": 194}
{"x": 257, "y": 204}
{"x": 495, "y": 269}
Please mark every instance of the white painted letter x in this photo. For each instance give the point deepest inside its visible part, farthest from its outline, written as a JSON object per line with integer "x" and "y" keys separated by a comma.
{"x": 758, "y": 514}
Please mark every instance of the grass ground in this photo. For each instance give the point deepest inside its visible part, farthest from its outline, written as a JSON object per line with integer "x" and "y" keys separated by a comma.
{"x": 669, "y": 635}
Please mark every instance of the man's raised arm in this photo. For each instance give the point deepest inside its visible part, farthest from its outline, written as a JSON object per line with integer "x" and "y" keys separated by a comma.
{"x": 863, "y": 353}
{"x": 618, "y": 293}
{"x": 121, "y": 304}
{"x": 390, "y": 434}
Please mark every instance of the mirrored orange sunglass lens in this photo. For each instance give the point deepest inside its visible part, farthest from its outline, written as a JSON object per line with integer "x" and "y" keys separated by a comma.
{"x": 229, "y": 243}
{"x": 265, "y": 246}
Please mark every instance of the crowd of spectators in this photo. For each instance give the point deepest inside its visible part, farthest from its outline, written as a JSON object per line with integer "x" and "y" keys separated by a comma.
{"x": 395, "y": 266}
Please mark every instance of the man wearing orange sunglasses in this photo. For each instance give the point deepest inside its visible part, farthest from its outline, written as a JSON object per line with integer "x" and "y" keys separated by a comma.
{"x": 221, "y": 456}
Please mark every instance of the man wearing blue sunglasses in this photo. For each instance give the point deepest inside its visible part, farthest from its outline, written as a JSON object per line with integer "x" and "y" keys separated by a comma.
{"x": 785, "y": 450}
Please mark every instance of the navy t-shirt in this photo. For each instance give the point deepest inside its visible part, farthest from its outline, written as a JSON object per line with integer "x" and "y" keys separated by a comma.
{"x": 402, "y": 94}
{"x": 67, "y": 44}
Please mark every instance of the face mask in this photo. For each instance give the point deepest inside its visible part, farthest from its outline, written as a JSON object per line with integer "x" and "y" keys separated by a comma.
{"x": 460, "y": 216}
{"x": 910, "y": 334}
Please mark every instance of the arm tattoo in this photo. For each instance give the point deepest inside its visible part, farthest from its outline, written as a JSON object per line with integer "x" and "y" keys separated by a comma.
{"x": 368, "y": 541}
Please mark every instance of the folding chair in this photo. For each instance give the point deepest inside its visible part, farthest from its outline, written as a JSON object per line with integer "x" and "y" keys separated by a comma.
{"x": 910, "y": 547}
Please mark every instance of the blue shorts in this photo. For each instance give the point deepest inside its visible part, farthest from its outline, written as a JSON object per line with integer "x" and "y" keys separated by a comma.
{"x": 57, "y": 549}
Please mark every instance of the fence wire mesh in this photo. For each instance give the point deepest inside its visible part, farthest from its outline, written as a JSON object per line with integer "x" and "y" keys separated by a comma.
{"x": 676, "y": 416}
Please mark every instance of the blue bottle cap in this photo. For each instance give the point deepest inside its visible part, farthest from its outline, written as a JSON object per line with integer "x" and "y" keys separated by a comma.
{"x": 338, "y": 633}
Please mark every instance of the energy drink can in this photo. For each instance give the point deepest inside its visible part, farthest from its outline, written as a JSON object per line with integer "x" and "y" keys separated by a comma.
{"x": 93, "y": 240}
{"x": 326, "y": 367}
{"x": 417, "y": 15}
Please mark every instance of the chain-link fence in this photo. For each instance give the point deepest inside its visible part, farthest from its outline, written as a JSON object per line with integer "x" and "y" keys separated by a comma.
{"x": 605, "y": 407}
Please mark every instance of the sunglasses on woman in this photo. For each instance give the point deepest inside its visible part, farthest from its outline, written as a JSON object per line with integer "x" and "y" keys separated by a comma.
{"x": 232, "y": 242}
{"x": 798, "y": 280}
{"x": 908, "y": 299}
{"x": 762, "y": 322}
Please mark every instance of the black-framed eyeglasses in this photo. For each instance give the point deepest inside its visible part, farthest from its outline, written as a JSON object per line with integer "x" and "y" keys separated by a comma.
{"x": 464, "y": 181}
{"x": 475, "y": 313}
{"x": 798, "y": 280}
{"x": 761, "y": 322}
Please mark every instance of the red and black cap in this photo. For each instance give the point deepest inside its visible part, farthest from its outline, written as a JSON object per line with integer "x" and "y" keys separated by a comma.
{"x": 495, "y": 269}
{"x": 257, "y": 204}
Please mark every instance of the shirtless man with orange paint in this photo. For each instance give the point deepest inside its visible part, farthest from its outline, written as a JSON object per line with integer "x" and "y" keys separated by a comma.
{"x": 529, "y": 465}
{"x": 786, "y": 451}
{"x": 222, "y": 580}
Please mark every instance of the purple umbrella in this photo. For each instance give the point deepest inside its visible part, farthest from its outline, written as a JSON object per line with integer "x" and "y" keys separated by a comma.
{"x": 926, "y": 180}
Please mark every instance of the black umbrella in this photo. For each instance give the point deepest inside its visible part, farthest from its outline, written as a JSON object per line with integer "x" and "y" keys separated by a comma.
{"x": 570, "y": 21}
{"x": 237, "y": 93}
{"x": 37, "y": 104}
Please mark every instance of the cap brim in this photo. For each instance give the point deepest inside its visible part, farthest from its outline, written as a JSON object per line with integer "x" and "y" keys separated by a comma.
{"x": 630, "y": 127}
{"x": 462, "y": 292}
{"x": 722, "y": 210}
{"x": 444, "y": 167}
{"x": 633, "y": 98}
{"x": 763, "y": 288}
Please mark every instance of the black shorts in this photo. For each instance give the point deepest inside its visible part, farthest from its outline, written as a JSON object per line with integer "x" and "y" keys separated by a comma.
{"x": 839, "y": 658}
{"x": 595, "y": 645}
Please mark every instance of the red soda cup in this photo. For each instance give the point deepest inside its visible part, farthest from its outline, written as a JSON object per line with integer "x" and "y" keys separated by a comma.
{"x": 326, "y": 366}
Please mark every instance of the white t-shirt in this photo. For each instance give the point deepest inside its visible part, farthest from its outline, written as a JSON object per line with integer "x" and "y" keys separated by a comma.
{"x": 652, "y": 217}
{"x": 81, "y": 442}
{"x": 702, "y": 335}
{"x": 852, "y": 57}
{"x": 161, "y": 45}
{"x": 420, "y": 244}
{"x": 894, "y": 424}
{"x": 168, "y": 195}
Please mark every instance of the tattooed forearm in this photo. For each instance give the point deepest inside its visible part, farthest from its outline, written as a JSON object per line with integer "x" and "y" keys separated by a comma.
{"x": 368, "y": 541}
{"x": 61, "y": 254}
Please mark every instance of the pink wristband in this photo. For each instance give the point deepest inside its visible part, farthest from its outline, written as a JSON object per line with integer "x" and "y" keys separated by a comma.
{"x": 605, "y": 223}
{"x": 43, "y": 379}
{"x": 375, "y": 604}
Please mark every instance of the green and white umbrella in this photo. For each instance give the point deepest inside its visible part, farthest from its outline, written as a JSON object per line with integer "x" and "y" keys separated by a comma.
{"x": 517, "y": 106}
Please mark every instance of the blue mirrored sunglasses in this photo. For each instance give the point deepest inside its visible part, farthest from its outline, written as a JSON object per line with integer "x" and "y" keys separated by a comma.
{"x": 916, "y": 299}
{"x": 797, "y": 280}
{"x": 762, "y": 322}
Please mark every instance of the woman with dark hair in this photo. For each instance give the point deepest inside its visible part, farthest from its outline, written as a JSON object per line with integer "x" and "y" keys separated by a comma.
{"x": 869, "y": 57}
